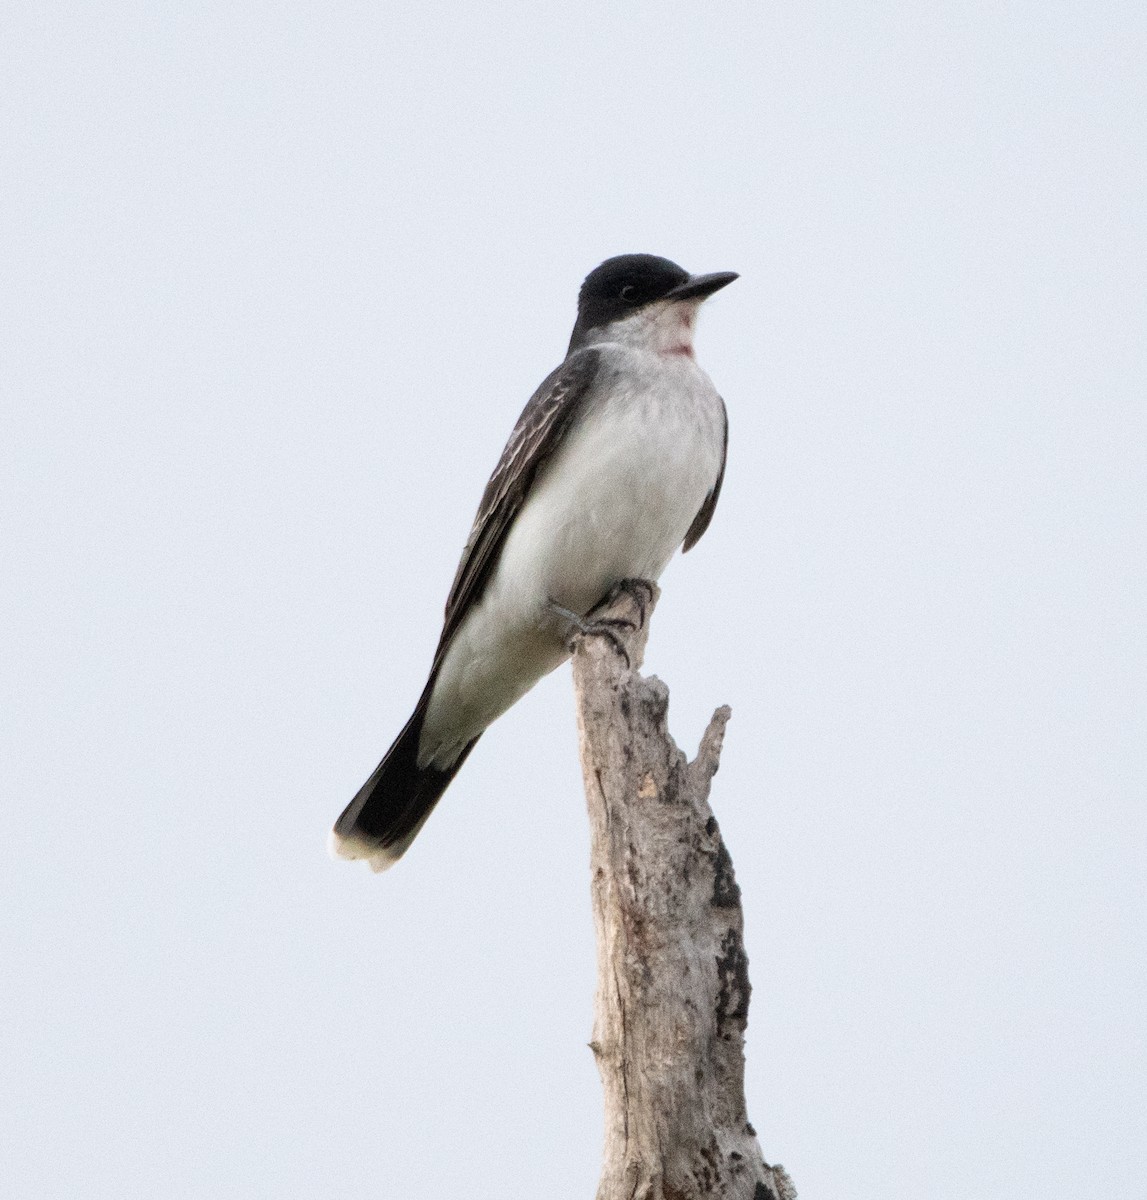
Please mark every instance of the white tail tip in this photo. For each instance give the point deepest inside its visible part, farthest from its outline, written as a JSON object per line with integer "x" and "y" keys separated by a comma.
{"x": 350, "y": 847}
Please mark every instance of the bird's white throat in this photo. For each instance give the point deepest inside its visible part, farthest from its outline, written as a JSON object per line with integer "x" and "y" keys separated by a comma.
{"x": 666, "y": 327}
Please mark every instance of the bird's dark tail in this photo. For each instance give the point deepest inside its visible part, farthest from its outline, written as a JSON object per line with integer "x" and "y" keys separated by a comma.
{"x": 392, "y": 806}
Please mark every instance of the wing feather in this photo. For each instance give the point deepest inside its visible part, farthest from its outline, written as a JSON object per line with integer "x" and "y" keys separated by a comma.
{"x": 546, "y": 415}
{"x": 705, "y": 513}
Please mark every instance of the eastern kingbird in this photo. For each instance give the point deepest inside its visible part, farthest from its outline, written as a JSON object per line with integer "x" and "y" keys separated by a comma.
{"x": 616, "y": 461}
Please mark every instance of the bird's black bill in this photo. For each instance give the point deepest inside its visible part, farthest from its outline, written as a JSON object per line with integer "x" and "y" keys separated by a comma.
{"x": 702, "y": 285}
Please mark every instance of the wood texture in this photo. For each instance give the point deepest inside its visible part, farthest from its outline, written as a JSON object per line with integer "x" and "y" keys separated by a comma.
{"x": 673, "y": 985}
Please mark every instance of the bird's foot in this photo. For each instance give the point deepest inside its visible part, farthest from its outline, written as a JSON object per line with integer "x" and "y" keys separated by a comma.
{"x": 643, "y": 592}
{"x": 587, "y": 627}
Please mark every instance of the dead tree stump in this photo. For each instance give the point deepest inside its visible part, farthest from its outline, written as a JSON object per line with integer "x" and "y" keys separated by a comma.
{"x": 672, "y": 977}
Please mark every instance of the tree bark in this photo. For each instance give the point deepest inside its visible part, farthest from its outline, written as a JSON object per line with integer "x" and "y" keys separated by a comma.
{"x": 673, "y": 986}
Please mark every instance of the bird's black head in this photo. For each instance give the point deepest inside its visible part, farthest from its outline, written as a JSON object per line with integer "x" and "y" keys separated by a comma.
{"x": 627, "y": 283}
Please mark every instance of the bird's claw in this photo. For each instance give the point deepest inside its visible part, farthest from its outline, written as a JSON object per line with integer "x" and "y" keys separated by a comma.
{"x": 599, "y": 627}
{"x": 642, "y": 591}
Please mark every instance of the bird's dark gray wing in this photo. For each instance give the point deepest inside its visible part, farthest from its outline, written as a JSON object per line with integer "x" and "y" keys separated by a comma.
{"x": 705, "y": 513}
{"x": 538, "y": 431}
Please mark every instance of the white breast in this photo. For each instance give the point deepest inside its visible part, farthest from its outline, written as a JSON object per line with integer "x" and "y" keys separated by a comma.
{"x": 618, "y": 499}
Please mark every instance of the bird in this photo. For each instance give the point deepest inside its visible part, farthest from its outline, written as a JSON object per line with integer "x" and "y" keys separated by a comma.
{"x": 615, "y": 462}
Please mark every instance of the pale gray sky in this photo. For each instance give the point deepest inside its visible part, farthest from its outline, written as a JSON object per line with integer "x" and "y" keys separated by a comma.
{"x": 276, "y": 282}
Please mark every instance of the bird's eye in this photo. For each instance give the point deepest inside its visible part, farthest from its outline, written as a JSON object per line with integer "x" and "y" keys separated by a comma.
{"x": 628, "y": 294}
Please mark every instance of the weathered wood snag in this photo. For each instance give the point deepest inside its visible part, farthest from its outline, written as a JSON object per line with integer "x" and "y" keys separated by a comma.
{"x": 673, "y": 985}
